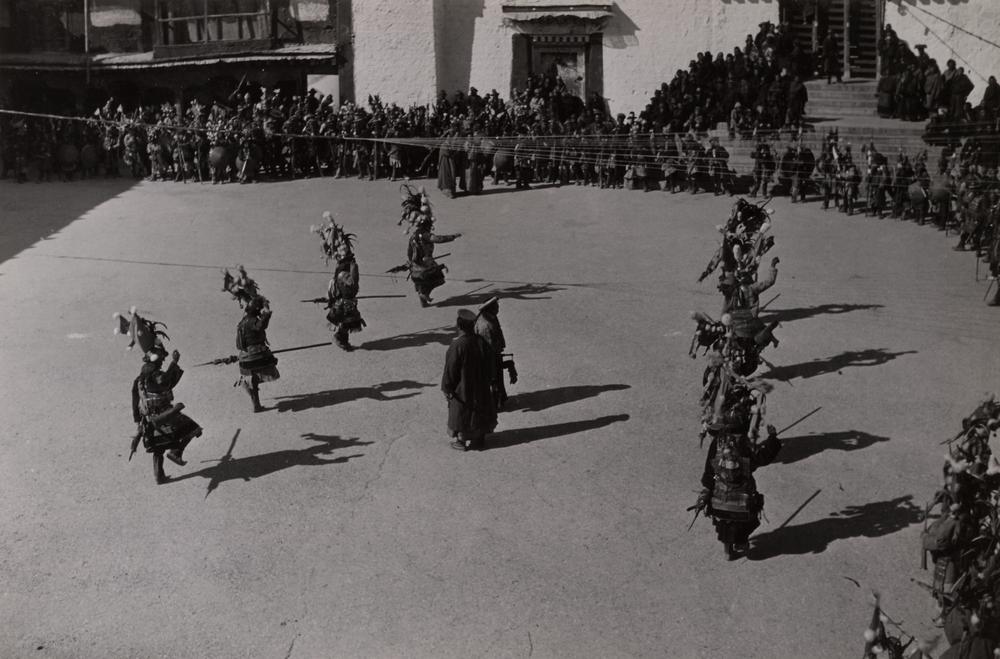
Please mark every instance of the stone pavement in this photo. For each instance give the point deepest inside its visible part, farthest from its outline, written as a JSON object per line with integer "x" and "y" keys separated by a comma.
{"x": 339, "y": 523}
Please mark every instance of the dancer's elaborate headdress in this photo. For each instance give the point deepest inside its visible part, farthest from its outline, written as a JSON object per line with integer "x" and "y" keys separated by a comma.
{"x": 333, "y": 236}
{"x": 146, "y": 333}
{"x": 416, "y": 208}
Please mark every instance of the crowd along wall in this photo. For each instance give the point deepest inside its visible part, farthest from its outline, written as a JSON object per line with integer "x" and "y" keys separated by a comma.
{"x": 967, "y": 31}
{"x": 407, "y": 51}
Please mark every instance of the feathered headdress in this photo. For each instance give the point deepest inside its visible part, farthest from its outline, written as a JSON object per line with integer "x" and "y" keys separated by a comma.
{"x": 243, "y": 289}
{"x": 748, "y": 217}
{"x": 879, "y": 642}
{"x": 709, "y": 334}
{"x": 333, "y": 236}
{"x": 416, "y": 208}
{"x": 146, "y": 333}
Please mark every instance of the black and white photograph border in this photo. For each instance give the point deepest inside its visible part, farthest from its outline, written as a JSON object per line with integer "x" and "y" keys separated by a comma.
{"x": 673, "y": 312}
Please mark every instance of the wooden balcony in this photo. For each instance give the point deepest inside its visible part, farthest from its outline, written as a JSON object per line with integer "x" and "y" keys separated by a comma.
{"x": 182, "y": 33}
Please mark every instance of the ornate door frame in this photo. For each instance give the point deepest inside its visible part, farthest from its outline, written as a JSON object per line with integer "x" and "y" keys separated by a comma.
{"x": 579, "y": 45}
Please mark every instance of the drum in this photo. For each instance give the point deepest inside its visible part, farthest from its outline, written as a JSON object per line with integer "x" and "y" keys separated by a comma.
{"x": 68, "y": 157}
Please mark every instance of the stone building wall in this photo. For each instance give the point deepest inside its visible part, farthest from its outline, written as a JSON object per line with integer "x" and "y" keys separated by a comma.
{"x": 406, "y": 50}
{"x": 394, "y": 50}
{"x": 933, "y": 22}
{"x": 648, "y": 40}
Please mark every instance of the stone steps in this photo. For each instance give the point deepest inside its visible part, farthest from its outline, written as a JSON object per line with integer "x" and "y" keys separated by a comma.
{"x": 823, "y": 110}
{"x": 858, "y": 99}
{"x": 820, "y": 95}
{"x": 832, "y": 93}
{"x": 850, "y": 109}
{"x": 888, "y": 139}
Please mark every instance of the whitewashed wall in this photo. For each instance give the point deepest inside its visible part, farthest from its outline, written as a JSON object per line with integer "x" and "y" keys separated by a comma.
{"x": 394, "y": 50}
{"x": 913, "y": 22}
{"x": 407, "y": 49}
{"x": 648, "y": 40}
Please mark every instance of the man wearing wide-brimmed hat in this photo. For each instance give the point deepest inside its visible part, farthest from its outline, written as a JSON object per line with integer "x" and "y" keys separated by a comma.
{"x": 488, "y": 327}
{"x": 466, "y": 384}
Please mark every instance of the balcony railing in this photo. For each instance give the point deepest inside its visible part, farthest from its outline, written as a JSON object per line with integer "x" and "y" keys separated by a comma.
{"x": 204, "y": 22}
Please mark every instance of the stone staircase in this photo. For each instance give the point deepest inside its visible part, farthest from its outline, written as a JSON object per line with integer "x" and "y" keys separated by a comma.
{"x": 850, "y": 109}
{"x": 863, "y": 45}
{"x": 837, "y": 100}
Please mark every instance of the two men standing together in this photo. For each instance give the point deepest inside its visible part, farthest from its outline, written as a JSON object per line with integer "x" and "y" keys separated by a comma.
{"x": 472, "y": 381}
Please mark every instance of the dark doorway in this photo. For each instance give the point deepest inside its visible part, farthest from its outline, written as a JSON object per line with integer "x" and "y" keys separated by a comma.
{"x": 855, "y": 24}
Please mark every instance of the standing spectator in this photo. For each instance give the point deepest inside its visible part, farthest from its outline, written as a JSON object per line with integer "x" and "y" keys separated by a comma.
{"x": 989, "y": 109}
{"x": 831, "y": 58}
{"x": 933, "y": 88}
{"x": 466, "y": 384}
{"x": 487, "y": 326}
{"x": 446, "y": 163}
{"x": 797, "y": 98}
{"x": 961, "y": 87}
{"x": 947, "y": 83}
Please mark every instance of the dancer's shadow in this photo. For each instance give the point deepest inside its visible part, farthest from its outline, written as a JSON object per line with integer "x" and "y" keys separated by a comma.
{"x": 535, "y": 401}
{"x": 518, "y": 292}
{"x": 526, "y": 435}
{"x": 788, "y": 315}
{"x": 440, "y": 335}
{"x": 851, "y": 358}
{"x": 337, "y": 396}
{"x": 794, "y": 449}
{"x": 871, "y": 520}
{"x": 256, "y": 466}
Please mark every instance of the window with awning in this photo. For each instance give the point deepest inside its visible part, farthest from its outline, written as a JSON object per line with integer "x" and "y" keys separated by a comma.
{"x": 540, "y": 10}
{"x": 203, "y": 21}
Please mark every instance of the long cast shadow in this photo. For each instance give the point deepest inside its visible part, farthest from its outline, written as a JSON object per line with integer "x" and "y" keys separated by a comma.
{"x": 256, "y": 466}
{"x": 526, "y": 435}
{"x": 851, "y": 358}
{"x": 337, "y": 396}
{"x": 440, "y": 335}
{"x": 794, "y": 449}
{"x": 788, "y": 315}
{"x": 521, "y": 292}
{"x": 535, "y": 401}
{"x": 28, "y": 226}
{"x": 871, "y": 520}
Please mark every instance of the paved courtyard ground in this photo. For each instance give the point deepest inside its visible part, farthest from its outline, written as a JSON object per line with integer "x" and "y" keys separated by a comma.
{"x": 339, "y": 523}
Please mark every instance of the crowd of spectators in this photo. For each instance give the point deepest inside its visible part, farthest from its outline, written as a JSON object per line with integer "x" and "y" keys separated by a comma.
{"x": 758, "y": 87}
{"x": 544, "y": 134}
{"x": 289, "y": 136}
{"x": 913, "y": 87}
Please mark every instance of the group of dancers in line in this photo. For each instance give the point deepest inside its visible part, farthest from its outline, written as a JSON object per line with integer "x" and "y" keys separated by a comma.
{"x": 733, "y": 403}
{"x": 963, "y": 541}
{"x": 163, "y": 428}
